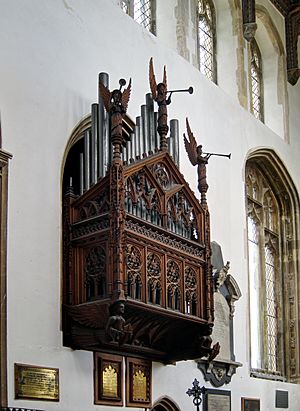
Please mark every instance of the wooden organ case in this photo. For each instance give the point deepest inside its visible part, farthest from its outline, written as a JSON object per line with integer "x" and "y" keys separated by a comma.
{"x": 137, "y": 268}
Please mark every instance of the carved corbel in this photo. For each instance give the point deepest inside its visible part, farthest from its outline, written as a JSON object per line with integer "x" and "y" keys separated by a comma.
{"x": 292, "y": 28}
{"x": 218, "y": 372}
{"x": 249, "y": 19}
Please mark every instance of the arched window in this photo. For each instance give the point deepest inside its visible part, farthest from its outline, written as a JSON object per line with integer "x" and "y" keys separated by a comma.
{"x": 141, "y": 11}
{"x": 272, "y": 254}
{"x": 207, "y": 39}
{"x": 256, "y": 81}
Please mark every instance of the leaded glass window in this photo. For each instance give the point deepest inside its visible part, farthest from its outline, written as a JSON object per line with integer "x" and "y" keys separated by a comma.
{"x": 264, "y": 273}
{"x": 256, "y": 81}
{"x": 141, "y": 11}
{"x": 207, "y": 39}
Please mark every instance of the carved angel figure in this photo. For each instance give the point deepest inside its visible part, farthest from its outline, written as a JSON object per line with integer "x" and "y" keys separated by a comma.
{"x": 196, "y": 158}
{"x": 116, "y": 328}
{"x": 159, "y": 94}
{"x": 116, "y": 103}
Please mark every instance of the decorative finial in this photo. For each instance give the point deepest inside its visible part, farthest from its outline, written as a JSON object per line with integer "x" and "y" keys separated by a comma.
{"x": 196, "y": 392}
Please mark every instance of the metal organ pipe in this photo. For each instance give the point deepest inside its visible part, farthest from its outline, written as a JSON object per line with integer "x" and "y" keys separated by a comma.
{"x": 145, "y": 127}
{"x": 137, "y": 140}
{"x": 151, "y": 125}
{"x": 132, "y": 148}
{"x": 86, "y": 160}
{"x": 81, "y": 177}
{"x": 94, "y": 144}
{"x": 156, "y": 135}
{"x": 174, "y": 136}
{"x": 103, "y": 132}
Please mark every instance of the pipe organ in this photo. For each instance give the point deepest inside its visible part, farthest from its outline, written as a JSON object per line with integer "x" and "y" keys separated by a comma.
{"x": 142, "y": 140}
{"x": 137, "y": 271}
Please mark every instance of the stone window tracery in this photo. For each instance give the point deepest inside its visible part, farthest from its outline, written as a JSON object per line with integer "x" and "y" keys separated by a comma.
{"x": 271, "y": 255}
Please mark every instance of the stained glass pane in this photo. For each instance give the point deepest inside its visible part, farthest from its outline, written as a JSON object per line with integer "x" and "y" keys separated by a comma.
{"x": 263, "y": 218}
{"x": 254, "y": 287}
{"x": 206, "y": 39}
{"x": 142, "y": 13}
{"x": 256, "y": 82}
{"x": 271, "y": 313}
{"x": 140, "y": 10}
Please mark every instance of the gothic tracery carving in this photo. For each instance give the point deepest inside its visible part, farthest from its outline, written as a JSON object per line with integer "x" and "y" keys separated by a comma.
{"x": 134, "y": 275}
{"x": 95, "y": 273}
{"x": 173, "y": 285}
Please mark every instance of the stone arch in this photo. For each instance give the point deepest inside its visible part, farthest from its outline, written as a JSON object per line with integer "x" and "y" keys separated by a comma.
{"x": 165, "y": 404}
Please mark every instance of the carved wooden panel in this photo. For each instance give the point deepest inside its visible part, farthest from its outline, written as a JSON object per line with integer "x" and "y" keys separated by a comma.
{"x": 155, "y": 290}
{"x": 134, "y": 271}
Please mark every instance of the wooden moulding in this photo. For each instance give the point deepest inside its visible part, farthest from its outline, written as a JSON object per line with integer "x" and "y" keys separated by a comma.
{"x": 250, "y": 404}
{"x": 4, "y": 159}
{"x": 138, "y": 383}
{"x": 108, "y": 379}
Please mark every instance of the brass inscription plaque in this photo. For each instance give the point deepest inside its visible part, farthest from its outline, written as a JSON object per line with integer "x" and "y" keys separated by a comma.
{"x": 32, "y": 382}
{"x": 139, "y": 386}
{"x": 110, "y": 382}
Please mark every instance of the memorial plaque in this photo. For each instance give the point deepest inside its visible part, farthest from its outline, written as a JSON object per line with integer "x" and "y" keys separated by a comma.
{"x": 38, "y": 383}
{"x": 108, "y": 379}
{"x": 138, "y": 383}
{"x": 250, "y": 404}
{"x": 217, "y": 400}
{"x": 221, "y": 330}
{"x": 282, "y": 399}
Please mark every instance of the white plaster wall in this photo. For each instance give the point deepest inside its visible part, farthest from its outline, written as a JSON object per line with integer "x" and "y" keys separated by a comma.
{"x": 51, "y": 54}
{"x": 166, "y": 23}
{"x": 226, "y": 49}
{"x": 272, "y": 100}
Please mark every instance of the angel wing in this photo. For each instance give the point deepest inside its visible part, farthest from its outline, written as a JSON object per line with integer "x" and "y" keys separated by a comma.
{"x": 91, "y": 315}
{"x": 126, "y": 96}
{"x": 105, "y": 95}
{"x": 165, "y": 78}
{"x": 152, "y": 80}
{"x": 190, "y": 145}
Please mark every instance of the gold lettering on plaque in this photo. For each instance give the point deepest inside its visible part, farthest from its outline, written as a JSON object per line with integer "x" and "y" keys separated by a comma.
{"x": 139, "y": 386}
{"x": 36, "y": 382}
{"x": 110, "y": 382}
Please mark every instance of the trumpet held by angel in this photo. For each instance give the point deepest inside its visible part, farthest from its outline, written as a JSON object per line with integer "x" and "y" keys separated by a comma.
{"x": 196, "y": 157}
